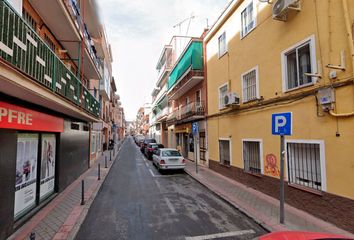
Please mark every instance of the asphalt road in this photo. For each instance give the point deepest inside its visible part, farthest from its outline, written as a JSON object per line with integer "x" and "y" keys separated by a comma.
{"x": 136, "y": 202}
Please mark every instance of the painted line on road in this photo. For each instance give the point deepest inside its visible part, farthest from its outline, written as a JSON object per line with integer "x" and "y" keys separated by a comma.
{"x": 170, "y": 206}
{"x": 152, "y": 174}
{"x": 222, "y": 235}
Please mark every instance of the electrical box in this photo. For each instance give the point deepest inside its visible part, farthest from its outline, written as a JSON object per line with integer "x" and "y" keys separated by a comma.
{"x": 326, "y": 98}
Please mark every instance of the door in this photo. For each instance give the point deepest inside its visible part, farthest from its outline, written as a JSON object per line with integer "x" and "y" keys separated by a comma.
{"x": 202, "y": 147}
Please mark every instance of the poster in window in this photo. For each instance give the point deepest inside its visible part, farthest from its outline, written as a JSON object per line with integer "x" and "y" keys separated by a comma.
{"x": 47, "y": 165}
{"x": 26, "y": 173}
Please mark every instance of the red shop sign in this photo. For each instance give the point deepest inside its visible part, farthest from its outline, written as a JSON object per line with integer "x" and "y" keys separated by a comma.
{"x": 15, "y": 117}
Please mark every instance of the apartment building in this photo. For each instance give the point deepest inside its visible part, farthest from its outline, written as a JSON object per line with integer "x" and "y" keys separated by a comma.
{"x": 186, "y": 93}
{"x": 266, "y": 57}
{"x": 49, "y": 55}
{"x": 159, "y": 106}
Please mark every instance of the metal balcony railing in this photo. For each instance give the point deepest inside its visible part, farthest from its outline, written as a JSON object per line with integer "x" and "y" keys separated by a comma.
{"x": 186, "y": 111}
{"x": 74, "y": 10}
{"x": 22, "y": 47}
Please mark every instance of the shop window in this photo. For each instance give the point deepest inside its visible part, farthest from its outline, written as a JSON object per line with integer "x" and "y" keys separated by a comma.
{"x": 252, "y": 156}
{"x": 85, "y": 128}
{"x": 191, "y": 143}
{"x": 305, "y": 163}
{"x": 47, "y": 165}
{"x": 93, "y": 143}
{"x": 224, "y": 151}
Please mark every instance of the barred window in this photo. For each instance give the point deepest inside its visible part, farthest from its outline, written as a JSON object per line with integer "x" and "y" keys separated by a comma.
{"x": 250, "y": 85}
{"x": 304, "y": 164}
{"x": 252, "y": 156}
{"x": 224, "y": 152}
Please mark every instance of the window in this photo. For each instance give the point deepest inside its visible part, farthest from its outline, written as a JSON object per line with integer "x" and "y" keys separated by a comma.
{"x": 224, "y": 151}
{"x": 222, "y": 93}
{"x": 248, "y": 20}
{"x": 198, "y": 98}
{"x": 93, "y": 143}
{"x": 252, "y": 156}
{"x": 305, "y": 164}
{"x": 297, "y": 61}
{"x": 250, "y": 88}
{"x": 222, "y": 44}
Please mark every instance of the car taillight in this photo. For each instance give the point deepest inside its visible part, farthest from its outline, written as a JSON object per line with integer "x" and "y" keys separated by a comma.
{"x": 183, "y": 160}
{"x": 162, "y": 161}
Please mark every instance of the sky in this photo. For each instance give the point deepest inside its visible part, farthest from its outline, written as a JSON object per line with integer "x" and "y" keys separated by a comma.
{"x": 137, "y": 31}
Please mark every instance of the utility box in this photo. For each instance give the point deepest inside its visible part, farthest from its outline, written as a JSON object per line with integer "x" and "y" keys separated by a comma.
{"x": 326, "y": 98}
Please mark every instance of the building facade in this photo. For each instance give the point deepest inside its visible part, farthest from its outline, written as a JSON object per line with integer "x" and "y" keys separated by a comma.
{"x": 186, "y": 92}
{"x": 48, "y": 59}
{"x": 266, "y": 58}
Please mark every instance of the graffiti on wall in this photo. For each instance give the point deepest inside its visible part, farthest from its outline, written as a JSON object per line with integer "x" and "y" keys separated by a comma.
{"x": 271, "y": 167}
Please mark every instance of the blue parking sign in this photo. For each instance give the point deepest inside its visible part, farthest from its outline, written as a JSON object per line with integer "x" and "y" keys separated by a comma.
{"x": 195, "y": 128}
{"x": 282, "y": 123}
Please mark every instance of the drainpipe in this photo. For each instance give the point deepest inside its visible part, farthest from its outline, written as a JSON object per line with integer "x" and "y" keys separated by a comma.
{"x": 351, "y": 48}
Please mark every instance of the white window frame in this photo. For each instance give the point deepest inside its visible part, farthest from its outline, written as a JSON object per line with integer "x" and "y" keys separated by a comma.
{"x": 254, "y": 16}
{"x": 313, "y": 61}
{"x": 221, "y": 105}
{"x": 257, "y": 84}
{"x": 230, "y": 143}
{"x": 260, "y": 141}
{"x": 220, "y": 54}
{"x": 322, "y": 158}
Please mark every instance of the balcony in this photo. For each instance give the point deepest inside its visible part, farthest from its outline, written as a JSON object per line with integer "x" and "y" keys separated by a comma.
{"x": 164, "y": 64}
{"x": 189, "y": 112}
{"x": 64, "y": 20}
{"x": 23, "y": 49}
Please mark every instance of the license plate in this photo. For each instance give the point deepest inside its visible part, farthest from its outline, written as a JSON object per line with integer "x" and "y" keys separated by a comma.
{"x": 173, "y": 159}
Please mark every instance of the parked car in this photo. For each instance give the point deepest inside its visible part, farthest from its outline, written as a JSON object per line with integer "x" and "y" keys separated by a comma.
{"x": 138, "y": 138}
{"x": 297, "y": 235}
{"x": 168, "y": 158}
{"x": 145, "y": 143}
{"x": 150, "y": 149}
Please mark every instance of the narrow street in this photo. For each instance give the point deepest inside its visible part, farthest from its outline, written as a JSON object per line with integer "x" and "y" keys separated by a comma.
{"x": 137, "y": 202}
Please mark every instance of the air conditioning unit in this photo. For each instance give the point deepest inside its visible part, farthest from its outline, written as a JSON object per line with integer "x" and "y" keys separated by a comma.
{"x": 281, "y": 8}
{"x": 231, "y": 99}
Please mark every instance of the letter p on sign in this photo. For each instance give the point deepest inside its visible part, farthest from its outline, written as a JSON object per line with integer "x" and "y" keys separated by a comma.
{"x": 282, "y": 123}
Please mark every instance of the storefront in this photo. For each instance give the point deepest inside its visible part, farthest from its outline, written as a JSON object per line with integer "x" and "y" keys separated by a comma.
{"x": 41, "y": 153}
{"x": 35, "y": 165}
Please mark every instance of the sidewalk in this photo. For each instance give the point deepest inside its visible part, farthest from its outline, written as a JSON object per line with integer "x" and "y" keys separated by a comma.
{"x": 259, "y": 206}
{"x": 62, "y": 217}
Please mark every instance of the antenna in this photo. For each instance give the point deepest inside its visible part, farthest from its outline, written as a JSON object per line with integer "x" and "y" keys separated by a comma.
{"x": 184, "y": 20}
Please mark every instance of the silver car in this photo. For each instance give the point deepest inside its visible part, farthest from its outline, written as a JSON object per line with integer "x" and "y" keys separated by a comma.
{"x": 168, "y": 158}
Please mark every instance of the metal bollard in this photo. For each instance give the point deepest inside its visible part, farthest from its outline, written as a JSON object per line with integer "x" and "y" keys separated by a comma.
{"x": 32, "y": 236}
{"x": 110, "y": 155}
{"x": 105, "y": 162}
{"x": 99, "y": 172}
{"x": 82, "y": 192}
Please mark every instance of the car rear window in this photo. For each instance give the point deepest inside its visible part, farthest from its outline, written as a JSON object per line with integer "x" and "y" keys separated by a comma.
{"x": 171, "y": 153}
{"x": 150, "y": 140}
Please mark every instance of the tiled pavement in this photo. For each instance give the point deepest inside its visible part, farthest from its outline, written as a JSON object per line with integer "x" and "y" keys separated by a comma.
{"x": 62, "y": 217}
{"x": 261, "y": 207}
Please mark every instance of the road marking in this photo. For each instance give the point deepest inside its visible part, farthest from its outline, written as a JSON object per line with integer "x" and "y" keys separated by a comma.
{"x": 170, "y": 206}
{"x": 152, "y": 174}
{"x": 169, "y": 176}
{"x": 221, "y": 235}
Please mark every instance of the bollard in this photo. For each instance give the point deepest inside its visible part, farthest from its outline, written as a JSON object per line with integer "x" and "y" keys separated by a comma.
{"x": 110, "y": 155}
{"x": 32, "y": 236}
{"x": 105, "y": 162}
{"x": 99, "y": 172}
{"x": 82, "y": 192}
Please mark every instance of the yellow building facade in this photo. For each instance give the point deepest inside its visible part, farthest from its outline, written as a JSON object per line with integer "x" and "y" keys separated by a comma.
{"x": 264, "y": 58}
